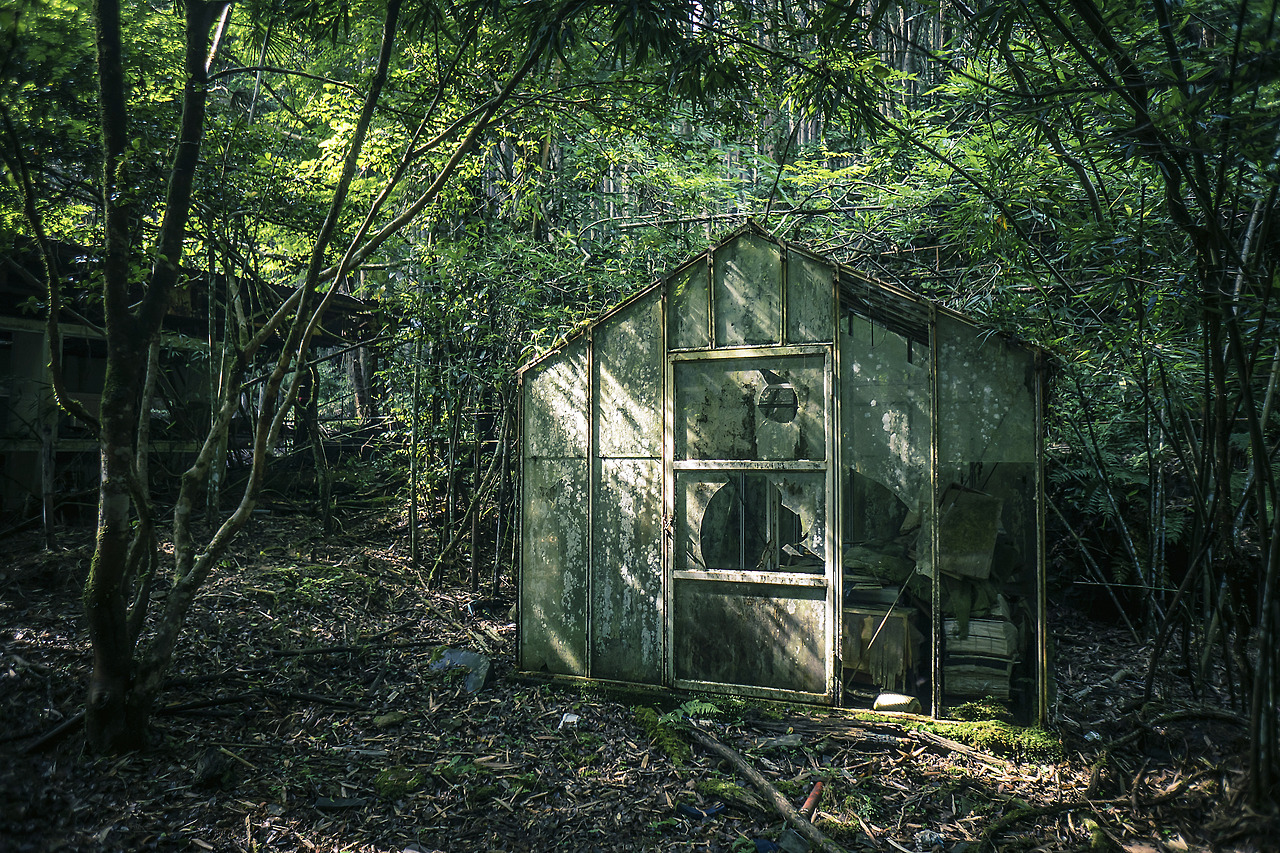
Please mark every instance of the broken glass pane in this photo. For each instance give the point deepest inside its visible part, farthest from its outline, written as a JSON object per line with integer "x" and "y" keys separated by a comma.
{"x": 746, "y": 521}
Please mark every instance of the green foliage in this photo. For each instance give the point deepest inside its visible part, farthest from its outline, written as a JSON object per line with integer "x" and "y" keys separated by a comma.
{"x": 664, "y": 734}
{"x": 694, "y": 708}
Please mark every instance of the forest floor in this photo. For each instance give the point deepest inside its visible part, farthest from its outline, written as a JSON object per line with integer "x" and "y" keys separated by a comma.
{"x": 311, "y": 709}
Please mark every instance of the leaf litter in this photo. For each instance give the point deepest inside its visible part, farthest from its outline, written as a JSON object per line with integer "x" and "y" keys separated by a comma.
{"x": 309, "y": 710}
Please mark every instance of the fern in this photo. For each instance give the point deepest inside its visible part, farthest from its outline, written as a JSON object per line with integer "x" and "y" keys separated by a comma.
{"x": 693, "y": 708}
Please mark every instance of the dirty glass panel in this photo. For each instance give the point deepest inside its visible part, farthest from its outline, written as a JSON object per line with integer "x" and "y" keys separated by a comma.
{"x": 885, "y": 413}
{"x": 748, "y": 292}
{"x": 626, "y": 589}
{"x": 750, "y": 521}
{"x": 556, "y": 410}
{"x": 689, "y": 320}
{"x": 750, "y": 634}
{"x": 810, "y": 297}
{"x": 986, "y": 518}
{"x": 986, "y": 386}
{"x": 627, "y": 360}
{"x": 751, "y": 408}
{"x": 885, "y": 387}
{"x": 553, "y": 592}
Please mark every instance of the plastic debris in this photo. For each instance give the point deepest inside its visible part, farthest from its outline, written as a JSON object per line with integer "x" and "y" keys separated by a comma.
{"x": 569, "y": 719}
{"x": 792, "y": 841}
{"x": 897, "y": 702}
{"x": 927, "y": 839}
{"x": 696, "y": 813}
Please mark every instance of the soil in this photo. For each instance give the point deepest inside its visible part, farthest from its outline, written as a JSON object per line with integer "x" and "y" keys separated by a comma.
{"x": 312, "y": 707}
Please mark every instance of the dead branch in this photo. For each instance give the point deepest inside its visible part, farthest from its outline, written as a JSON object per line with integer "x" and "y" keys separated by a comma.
{"x": 357, "y": 647}
{"x": 770, "y": 793}
{"x": 317, "y": 698}
{"x": 955, "y": 746}
{"x": 55, "y": 734}
{"x": 1149, "y": 726}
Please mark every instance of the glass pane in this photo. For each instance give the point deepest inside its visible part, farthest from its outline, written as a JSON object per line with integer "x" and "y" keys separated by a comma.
{"x": 556, "y": 409}
{"x": 885, "y": 414}
{"x": 627, "y": 360}
{"x": 626, "y": 571}
{"x": 763, "y": 409}
{"x": 553, "y": 592}
{"x": 751, "y": 634}
{"x": 748, "y": 521}
{"x": 986, "y": 518}
{"x": 690, "y": 312}
{"x": 810, "y": 292}
{"x": 748, "y": 292}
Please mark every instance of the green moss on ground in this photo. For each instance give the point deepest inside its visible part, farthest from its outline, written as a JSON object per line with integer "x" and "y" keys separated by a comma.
{"x": 394, "y": 783}
{"x": 665, "y": 736}
{"x": 1000, "y": 738}
{"x": 980, "y": 709}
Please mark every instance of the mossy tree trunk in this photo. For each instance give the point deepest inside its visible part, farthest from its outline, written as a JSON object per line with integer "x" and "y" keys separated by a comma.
{"x": 117, "y": 709}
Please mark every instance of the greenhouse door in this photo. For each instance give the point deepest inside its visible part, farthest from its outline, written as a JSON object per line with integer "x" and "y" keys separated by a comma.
{"x": 749, "y": 474}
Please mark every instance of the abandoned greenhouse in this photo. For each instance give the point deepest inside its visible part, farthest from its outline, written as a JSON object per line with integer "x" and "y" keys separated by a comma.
{"x": 770, "y": 475}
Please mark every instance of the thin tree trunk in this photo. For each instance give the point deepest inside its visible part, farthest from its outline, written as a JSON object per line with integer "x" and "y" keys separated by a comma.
{"x": 475, "y": 516}
{"x": 499, "y": 532}
{"x": 323, "y": 479}
{"x": 116, "y": 712}
{"x": 415, "y": 545}
{"x": 47, "y": 462}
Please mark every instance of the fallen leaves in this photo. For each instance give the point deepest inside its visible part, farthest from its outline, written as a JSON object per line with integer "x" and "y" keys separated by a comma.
{"x": 328, "y": 728}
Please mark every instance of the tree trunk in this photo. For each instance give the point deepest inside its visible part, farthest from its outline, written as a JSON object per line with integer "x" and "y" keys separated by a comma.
{"x": 115, "y": 714}
{"x": 48, "y": 457}
{"x": 118, "y": 705}
{"x": 361, "y": 370}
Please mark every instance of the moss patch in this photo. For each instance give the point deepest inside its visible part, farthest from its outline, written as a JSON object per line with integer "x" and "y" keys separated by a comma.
{"x": 1033, "y": 744}
{"x": 981, "y": 709}
{"x": 664, "y": 735}
{"x": 396, "y": 782}
{"x": 729, "y": 793}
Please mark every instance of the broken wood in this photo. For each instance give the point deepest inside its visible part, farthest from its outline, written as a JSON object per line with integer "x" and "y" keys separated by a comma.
{"x": 771, "y": 794}
{"x": 955, "y": 746}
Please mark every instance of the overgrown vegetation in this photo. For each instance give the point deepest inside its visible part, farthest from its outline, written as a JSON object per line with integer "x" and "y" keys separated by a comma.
{"x": 1100, "y": 179}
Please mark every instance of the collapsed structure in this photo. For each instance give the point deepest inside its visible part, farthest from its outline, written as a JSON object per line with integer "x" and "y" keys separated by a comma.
{"x": 770, "y": 475}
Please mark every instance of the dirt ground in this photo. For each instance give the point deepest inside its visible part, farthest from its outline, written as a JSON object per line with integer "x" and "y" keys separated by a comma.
{"x": 313, "y": 707}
